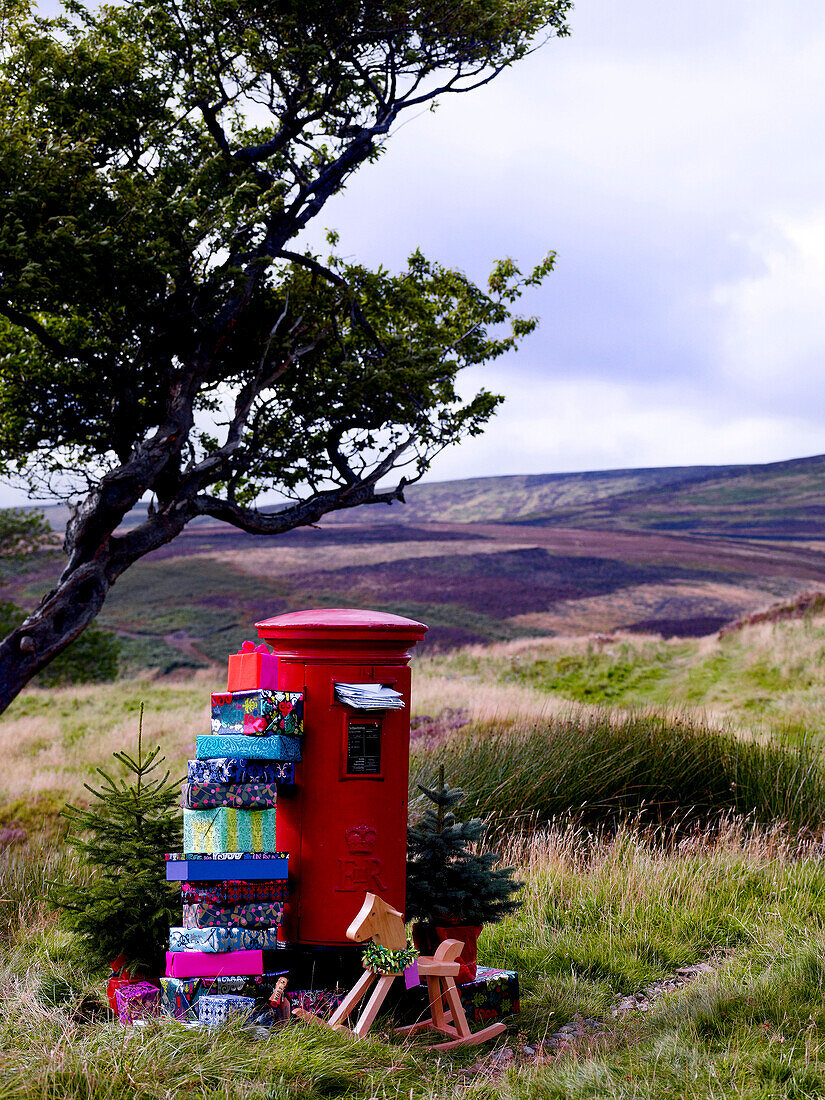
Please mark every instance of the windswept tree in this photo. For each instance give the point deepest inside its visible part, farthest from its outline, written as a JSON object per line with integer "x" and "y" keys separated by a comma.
{"x": 166, "y": 334}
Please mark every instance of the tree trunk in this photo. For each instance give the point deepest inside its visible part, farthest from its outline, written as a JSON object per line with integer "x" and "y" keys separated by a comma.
{"x": 80, "y": 593}
{"x": 59, "y": 619}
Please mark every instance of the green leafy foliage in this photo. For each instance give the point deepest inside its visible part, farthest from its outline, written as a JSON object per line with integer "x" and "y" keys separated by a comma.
{"x": 140, "y": 200}
{"x": 160, "y": 337}
{"x": 126, "y": 906}
{"x": 448, "y": 878}
{"x": 93, "y": 658}
{"x": 22, "y": 532}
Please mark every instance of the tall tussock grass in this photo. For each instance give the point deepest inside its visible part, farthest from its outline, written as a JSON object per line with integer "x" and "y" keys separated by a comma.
{"x": 606, "y": 764}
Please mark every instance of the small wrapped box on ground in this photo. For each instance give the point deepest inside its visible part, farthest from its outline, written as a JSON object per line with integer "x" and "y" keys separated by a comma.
{"x": 138, "y": 1001}
{"x": 180, "y": 996}
{"x": 320, "y": 1002}
{"x": 276, "y": 747}
{"x": 228, "y": 830}
{"x": 259, "y": 713}
{"x": 261, "y": 914}
{"x": 493, "y": 994}
{"x": 215, "y": 1009}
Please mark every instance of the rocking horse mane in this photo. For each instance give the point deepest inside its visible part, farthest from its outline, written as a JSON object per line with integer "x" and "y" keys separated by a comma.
{"x": 378, "y": 921}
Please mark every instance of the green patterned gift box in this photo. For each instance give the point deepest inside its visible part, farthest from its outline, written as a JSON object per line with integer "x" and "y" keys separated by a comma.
{"x": 228, "y": 830}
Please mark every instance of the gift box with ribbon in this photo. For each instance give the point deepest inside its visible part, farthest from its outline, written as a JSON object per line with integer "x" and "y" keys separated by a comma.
{"x": 262, "y": 914}
{"x": 214, "y": 939}
{"x": 138, "y": 1001}
{"x": 238, "y": 796}
{"x": 274, "y": 747}
{"x": 258, "y": 713}
{"x": 228, "y": 830}
{"x": 239, "y": 769}
{"x": 215, "y": 1009}
{"x": 234, "y": 892}
{"x": 253, "y": 666}
{"x": 203, "y": 964}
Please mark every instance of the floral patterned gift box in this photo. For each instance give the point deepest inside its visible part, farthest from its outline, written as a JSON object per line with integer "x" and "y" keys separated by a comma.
{"x": 258, "y": 713}
{"x": 493, "y": 994}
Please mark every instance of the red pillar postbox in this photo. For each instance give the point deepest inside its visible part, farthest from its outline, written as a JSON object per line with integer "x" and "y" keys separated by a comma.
{"x": 345, "y": 822}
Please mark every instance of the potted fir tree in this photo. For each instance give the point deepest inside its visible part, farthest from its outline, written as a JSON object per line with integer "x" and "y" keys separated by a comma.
{"x": 453, "y": 889}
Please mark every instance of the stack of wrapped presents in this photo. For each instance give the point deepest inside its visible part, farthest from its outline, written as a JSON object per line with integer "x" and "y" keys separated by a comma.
{"x": 223, "y": 958}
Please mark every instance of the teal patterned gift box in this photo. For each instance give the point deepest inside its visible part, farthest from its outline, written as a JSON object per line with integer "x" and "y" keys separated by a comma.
{"x": 274, "y": 747}
{"x": 226, "y": 829}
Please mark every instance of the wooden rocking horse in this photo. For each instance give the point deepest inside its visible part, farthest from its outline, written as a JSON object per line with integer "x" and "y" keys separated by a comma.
{"x": 379, "y": 922}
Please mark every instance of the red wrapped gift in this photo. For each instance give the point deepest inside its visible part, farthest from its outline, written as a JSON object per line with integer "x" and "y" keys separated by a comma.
{"x": 253, "y": 666}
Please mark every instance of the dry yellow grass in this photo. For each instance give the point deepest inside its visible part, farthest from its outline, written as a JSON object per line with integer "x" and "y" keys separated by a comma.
{"x": 51, "y": 741}
{"x": 279, "y": 560}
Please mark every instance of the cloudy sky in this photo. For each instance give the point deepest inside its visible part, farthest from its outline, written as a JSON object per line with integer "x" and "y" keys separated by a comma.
{"x": 672, "y": 155}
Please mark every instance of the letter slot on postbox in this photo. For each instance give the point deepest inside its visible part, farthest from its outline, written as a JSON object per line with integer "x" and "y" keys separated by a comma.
{"x": 344, "y": 823}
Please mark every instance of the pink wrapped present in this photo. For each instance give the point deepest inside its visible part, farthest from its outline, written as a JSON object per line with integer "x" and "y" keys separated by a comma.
{"x": 201, "y": 964}
{"x": 138, "y": 1001}
{"x": 253, "y": 666}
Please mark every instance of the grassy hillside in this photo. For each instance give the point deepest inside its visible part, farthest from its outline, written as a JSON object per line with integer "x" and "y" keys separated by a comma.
{"x": 187, "y": 606}
{"x": 776, "y": 500}
{"x": 765, "y": 676}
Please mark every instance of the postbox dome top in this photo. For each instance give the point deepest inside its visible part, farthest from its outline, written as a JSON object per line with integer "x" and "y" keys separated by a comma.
{"x": 342, "y": 622}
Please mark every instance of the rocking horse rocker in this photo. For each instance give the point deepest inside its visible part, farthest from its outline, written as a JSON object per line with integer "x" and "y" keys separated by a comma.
{"x": 384, "y": 926}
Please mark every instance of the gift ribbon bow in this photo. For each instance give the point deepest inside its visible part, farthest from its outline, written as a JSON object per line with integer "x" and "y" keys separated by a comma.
{"x": 250, "y": 647}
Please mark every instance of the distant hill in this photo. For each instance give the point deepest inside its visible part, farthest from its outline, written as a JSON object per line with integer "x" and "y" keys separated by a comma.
{"x": 773, "y": 500}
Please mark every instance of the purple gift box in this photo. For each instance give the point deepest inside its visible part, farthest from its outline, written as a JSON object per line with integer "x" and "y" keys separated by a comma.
{"x": 137, "y": 1002}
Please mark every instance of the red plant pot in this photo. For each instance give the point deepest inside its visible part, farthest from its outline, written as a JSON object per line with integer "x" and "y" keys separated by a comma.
{"x": 427, "y": 937}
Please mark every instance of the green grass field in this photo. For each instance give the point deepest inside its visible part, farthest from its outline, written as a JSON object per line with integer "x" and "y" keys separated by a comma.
{"x": 663, "y": 803}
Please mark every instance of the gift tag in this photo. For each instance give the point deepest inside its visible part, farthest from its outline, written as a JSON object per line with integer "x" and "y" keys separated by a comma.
{"x": 411, "y": 978}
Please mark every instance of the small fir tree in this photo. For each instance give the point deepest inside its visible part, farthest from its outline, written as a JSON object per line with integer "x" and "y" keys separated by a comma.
{"x": 448, "y": 879}
{"x": 126, "y": 906}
